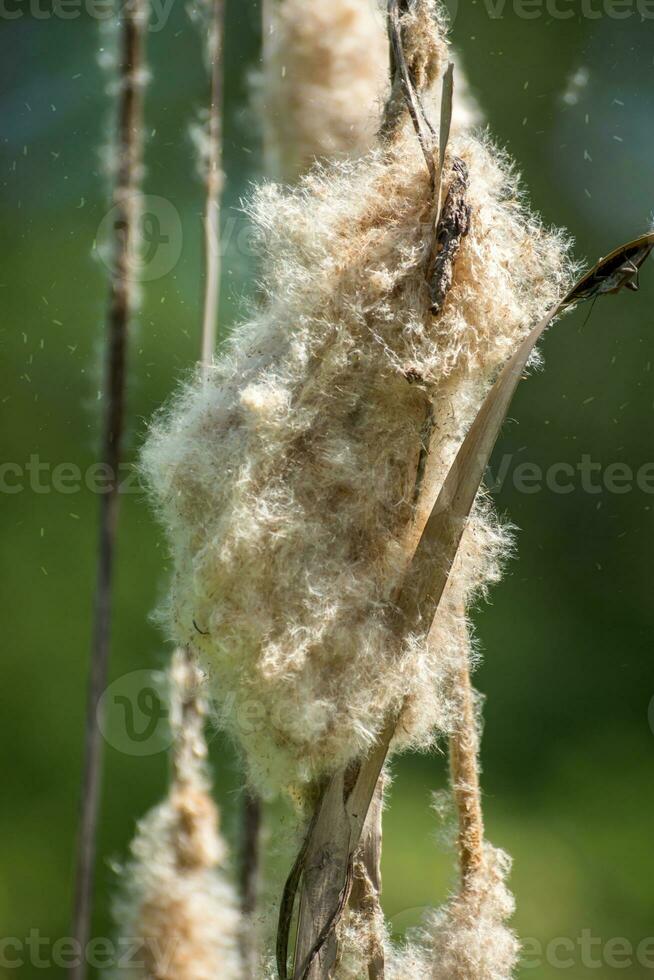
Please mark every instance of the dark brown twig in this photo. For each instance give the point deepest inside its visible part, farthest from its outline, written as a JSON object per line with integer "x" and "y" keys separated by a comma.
{"x": 453, "y": 225}
{"x": 250, "y": 877}
{"x": 404, "y": 95}
{"x": 122, "y": 302}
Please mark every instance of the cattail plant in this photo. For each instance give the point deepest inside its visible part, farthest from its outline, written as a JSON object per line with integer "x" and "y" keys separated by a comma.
{"x": 176, "y": 902}
{"x": 123, "y": 160}
{"x": 295, "y": 483}
{"x": 175, "y": 896}
{"x": 290, "y": 524}
{"x": 320, "y": 486}
{"x": 207, "y": 135}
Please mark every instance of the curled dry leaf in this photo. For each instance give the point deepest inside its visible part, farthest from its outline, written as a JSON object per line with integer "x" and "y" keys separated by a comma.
{"x": 423, "y": 587}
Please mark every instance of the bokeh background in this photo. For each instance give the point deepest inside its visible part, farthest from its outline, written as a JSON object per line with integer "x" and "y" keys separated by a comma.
{"x": 568, "y": 749}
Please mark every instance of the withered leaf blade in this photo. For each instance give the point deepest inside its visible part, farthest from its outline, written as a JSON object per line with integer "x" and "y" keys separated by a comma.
{"x": 338, "y": 825}
{"x": 429, "y": 571}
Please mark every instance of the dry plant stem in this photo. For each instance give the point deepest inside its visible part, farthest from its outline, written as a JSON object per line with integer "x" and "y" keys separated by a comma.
{"x": 268, "y": 14}
{"x": 214, "y": 182}
{"x": 365, "y": 898}
{"x": 250, "y": 877}
{"x": 122, "y": 301}
{"x": 327, "y": 863}
{"x": 267, "y": 26}
{"x": 464, "y": 772}
{"x": 404, "y": 96}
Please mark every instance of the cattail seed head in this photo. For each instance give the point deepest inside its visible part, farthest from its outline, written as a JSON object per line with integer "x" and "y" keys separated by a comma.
{"x": 176, "y": 904}
{"x": 321, "y": 89}
{"x": 469, "y": 938}
{"x": 287, "y": 481}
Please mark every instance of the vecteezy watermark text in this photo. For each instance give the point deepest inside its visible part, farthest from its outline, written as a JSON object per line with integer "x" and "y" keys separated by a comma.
{"x": 43, "y": 953}
{"x": 101, "y": 10}
{"x": 586, "y": 475}
{"x": 43, "y": 477}
{"x": 569, "y": 9}
{"x": 160, "y": 10}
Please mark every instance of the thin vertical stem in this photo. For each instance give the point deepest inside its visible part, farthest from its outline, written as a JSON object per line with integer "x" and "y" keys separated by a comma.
{"x": 268, "y": 15}
{"x": 214, "y": 181}
{"x": 122, "y": 302}
{"x": 250, "y": 874}
{"x": 464, "y": 772}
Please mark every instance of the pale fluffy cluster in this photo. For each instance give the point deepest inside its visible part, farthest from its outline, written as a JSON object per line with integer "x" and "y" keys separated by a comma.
{"x": 408, "y": 962}
{"x": 286, "y": 482}
{"x": 361, "y": 941}
{"x": 177, "y": 908}
{"x": 323, "y": 82}
{"x": 326, "y": 77}
{"x": 468, "y": 939}
{"x": 183, "y": 921}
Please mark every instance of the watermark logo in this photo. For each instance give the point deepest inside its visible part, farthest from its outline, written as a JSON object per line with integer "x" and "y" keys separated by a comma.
{"x": 157, "y": 245}
{"x": 132, "y": 714}
{"x": 585, "y": 950}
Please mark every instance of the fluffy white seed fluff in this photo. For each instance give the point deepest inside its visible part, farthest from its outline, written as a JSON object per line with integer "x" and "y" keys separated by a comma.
{"x": 469, "y": 938}
{"x": 183, "y": 923}
{"x": 408, "y": 962}
{"x": 324, "y": 82}
{"x": 286, "y": 481}
{"x": 177, "y": 909}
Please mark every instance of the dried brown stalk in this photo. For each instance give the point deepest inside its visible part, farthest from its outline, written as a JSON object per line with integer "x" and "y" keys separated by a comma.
{"x": 464, "y": 770}
{"x": 250, "y": 878}
{"x": 404, "y": 96}
{"x": 268, "y": 15}
{"x": 211, "y": 158}
{"x": 214, "y": 180}
{"x": 122, "y": 303}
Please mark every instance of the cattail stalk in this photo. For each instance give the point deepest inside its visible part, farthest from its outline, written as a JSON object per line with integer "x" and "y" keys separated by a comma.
{"x": 289, "y": 482}
{"x": 268, "y": 13}
{"x": 122, "y": 304}
{"x": 250, "y": 877}
{"x": 214, "y": 24}
{"x": 188, "y": 684}
{"x": 175, "y": 897}
{"x": 214, "y": 179}
{"x": 464, "y": 772}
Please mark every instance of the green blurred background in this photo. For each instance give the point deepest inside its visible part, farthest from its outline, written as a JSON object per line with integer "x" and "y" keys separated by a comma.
{"x": 568, "y": 747}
